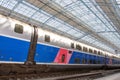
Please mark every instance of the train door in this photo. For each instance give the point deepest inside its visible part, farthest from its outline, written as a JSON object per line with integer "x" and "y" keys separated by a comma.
{"x": 63, "y": 56}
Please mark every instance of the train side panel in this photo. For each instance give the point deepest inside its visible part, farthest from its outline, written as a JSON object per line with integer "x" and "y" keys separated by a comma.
{"x": 45, "y": 54}
{"x": 76, "y": 58}
{"x": 51, "y": 54}
{"x": 12, "y": 49}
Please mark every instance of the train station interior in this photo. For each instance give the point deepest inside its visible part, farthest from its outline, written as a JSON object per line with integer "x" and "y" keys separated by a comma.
{"x": 70, "y": 28}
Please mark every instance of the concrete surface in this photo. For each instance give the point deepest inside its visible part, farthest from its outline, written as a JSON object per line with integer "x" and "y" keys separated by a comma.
{"x": 110, "y": 77}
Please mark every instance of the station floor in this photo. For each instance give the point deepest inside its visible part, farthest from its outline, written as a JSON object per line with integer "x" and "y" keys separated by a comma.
{"x": 115, "y": 76}
{"x": 110, "y": 77}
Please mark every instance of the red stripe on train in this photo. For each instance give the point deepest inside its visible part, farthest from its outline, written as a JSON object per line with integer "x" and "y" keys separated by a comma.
{"x": 63, "y": 56}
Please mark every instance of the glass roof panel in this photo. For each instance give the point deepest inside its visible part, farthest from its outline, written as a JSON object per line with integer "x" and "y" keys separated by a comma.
{"x": 39, "y": 16}
{"x": 95, "y": 42}
{"x": 61, "y": 25}
{"x": 89, "y": 39}
{"x": 65, "y": 2}
{"x": 25, "y": 10}
{"x": 78, "y": 34}
{"x": 52, "y": 22}
{"x": 28, "y": 4}
{"x": 112, "y": 37}
{"x": 31, "y": 11}
{"x": 62, "y": 28}
{"x": 72, "y": 31}
{"x": 86, "y": 11}
{"x": 75, "y": 33}
{"x": 8, "y": 3}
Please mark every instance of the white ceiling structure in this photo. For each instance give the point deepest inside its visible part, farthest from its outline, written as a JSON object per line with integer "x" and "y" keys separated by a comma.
{"x": 94, "y": 22}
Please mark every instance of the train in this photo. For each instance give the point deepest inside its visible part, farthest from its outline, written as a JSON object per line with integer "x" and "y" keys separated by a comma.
{"x": 24, "y": 46}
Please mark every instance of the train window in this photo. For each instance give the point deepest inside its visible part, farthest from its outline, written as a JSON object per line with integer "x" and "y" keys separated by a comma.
{"x": 90, "y": 50}
{"x": 106, "y": 55}
{"x": 95, "y": 52}
{"x": 70, "y": 52}
{"x": 63, "y": 58}
{"x": 18, "y": 28}
{"x": 98, "y": 52}
{"x": 78, "y": 47}
{"x": 84, "y": 49}
{"x": 77, "y": 60}
{"x": 47, "y": 38}
{"x": 72, "y": 45}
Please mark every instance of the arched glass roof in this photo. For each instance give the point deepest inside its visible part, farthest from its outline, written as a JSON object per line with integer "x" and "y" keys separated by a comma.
{"x": 87, "y": 12}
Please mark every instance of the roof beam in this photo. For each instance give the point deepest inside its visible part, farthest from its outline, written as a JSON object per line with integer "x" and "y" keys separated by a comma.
{"x": 62, "y": 14}
{"x": 112, "y": 11}
{"x": 108, "y": 6}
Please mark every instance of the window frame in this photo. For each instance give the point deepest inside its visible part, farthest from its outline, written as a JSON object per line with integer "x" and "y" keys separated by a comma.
{"x": 90, "y": 50}
{"x": 18, "y": 29}
{"x": 47, "y": 38}
{"x": 78, "y": 47}
{"x": 72, "y": 45}
{"x": 63, "y": 58}
{"x": 95, "y": 52}
{"x": 99, "y": 53}
{"x": 85, "y": 49}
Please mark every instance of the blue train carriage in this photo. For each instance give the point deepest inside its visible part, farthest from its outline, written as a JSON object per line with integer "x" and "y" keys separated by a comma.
{"x": 65, "y": 51}
{"x": 112, "y": 61}
{"x": 52, "y": 49}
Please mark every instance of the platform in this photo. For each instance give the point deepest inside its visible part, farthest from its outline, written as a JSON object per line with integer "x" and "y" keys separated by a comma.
{"x": 110, "y": 77}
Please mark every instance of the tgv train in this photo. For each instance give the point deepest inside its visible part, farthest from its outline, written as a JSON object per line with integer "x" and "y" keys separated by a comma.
{"x": 21, "y": 43}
